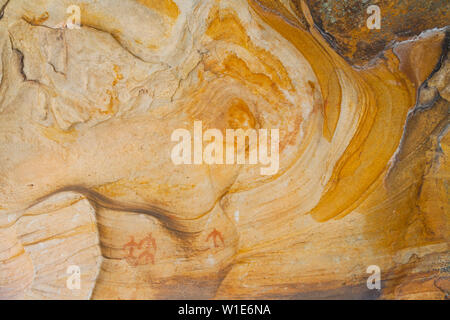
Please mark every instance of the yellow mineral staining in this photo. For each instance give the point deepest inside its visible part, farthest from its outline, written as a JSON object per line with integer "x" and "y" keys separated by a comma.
{"x": 58, "y": 135}
{"x": 239, "y": 69}
{"x": 225, "y": 26}
{"x": 228, "y": 28}
{"x": 115, "y": 189}
{"x": 282, "y": 7}
{"x": 118, "y": 75}
{"x": 80, "y": 230}
{"x": 112, "y": 106}
{"x": 96, "y": 19}
{"x": 14, "y": 256}
{"x": 93, "y": 16}
{"x": 240, "y": 116}
{"x": 141, "y": 187}
{"x": 318, "y": 56}
{"x": 384, "y": 96}
{"x": 165, "y": 7}
{"x": 37, "y": 20}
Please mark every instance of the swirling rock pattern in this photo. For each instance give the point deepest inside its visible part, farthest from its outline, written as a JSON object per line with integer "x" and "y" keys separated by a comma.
{"x": 86, "y": 176}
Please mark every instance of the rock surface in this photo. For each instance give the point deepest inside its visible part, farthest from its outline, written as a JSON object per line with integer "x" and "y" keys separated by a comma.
{"x": 87, "y": 179}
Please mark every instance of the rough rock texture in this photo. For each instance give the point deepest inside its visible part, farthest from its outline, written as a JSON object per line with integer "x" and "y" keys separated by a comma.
{"x": 344, "y": 22}
{"x": 86, "y": 177}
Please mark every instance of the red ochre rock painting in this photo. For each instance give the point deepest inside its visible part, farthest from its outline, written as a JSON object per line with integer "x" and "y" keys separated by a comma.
{"x": 142, "y": 252}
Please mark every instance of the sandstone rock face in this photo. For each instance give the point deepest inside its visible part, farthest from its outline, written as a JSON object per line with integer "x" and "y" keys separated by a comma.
{"x": 88, "y": 109}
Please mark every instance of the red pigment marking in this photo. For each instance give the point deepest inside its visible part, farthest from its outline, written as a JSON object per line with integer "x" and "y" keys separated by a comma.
{"x": 214, "y": 235}
{"x": 141, "y": 253}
